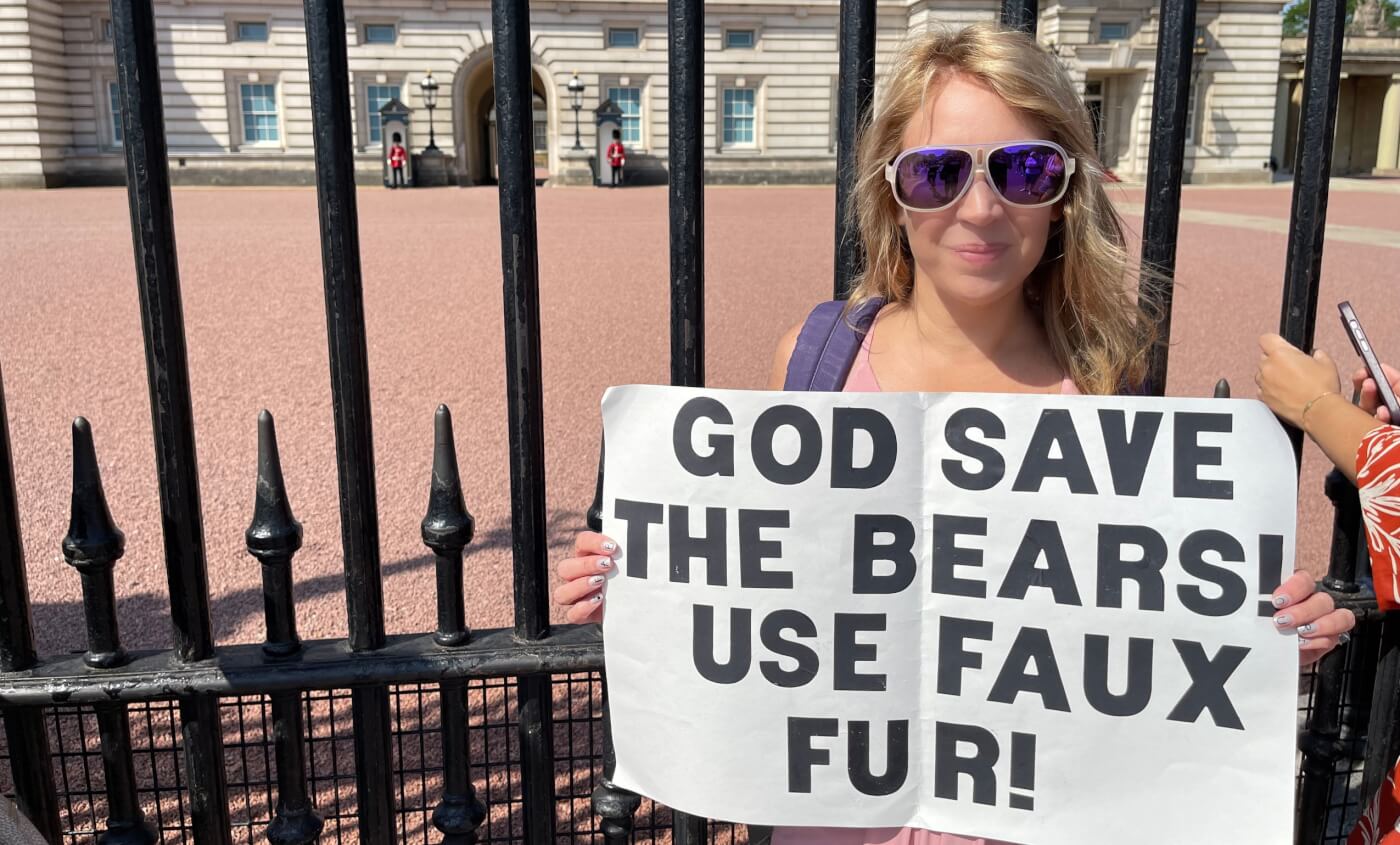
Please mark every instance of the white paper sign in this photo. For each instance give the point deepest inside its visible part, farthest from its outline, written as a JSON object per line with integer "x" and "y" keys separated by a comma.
{"x": 1039, "y": 619}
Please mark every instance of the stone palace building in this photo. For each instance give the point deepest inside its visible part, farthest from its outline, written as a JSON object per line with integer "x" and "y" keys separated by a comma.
{"x": 238, "y": 106}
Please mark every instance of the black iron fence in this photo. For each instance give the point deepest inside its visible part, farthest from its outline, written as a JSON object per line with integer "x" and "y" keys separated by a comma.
{"x": 458, "y": 736}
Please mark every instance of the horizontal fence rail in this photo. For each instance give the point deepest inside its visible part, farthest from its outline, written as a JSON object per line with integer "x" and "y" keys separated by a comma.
{"x": 502, "y": 735}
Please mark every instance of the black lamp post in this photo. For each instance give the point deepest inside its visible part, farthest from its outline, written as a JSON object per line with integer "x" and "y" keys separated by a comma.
{"x": 576, "y": 100}
{"x": 430, "y": 91}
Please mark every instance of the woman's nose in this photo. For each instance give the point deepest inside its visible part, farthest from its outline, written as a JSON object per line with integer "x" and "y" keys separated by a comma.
{"x": 981, "y": 205}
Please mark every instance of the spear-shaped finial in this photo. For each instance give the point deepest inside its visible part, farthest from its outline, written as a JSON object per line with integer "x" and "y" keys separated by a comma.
{"x": 448, "y": 528}
{"x": 92, "y": 546}
{"x": 93, "y": 538}
{"x": 274, "y": 532}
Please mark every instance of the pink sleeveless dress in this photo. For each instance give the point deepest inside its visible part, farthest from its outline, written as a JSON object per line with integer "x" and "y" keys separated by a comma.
{"x": 862, "y": 379}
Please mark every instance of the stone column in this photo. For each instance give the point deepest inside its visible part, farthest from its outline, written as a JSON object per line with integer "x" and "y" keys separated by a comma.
{"x": 1388, "y": 150}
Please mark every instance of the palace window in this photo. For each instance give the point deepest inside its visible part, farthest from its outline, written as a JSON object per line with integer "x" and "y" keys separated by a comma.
{"x": 259, "y": 102}
{"x": 114, "y": 103}
{"x": 380, "y": 33}
{"x": 624, "y": 37}
{"x": 739, "y": 117}
{"x": 250, "y": 31}
{"x": 629, "y": 99}
{"x": 376, "y": 96}
{"x": 739, "y": 39}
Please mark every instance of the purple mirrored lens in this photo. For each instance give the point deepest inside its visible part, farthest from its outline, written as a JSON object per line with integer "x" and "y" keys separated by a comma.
{"x": 1027, "y": 174}
{"x": 931, "y": 179}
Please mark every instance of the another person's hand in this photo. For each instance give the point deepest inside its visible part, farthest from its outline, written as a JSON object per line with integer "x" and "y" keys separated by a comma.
{"x": 583, "y": 575}
{"x": 1370, "y": 394}
{"x": 1320, "y": 625}
{"x": 1290, "y": 380}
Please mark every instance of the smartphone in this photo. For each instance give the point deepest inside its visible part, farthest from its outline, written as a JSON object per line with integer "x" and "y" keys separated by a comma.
{"x": 1368, "y": 356}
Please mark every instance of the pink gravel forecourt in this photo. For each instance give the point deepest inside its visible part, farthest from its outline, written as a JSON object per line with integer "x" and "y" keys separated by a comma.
{"x": 70, "y": 344}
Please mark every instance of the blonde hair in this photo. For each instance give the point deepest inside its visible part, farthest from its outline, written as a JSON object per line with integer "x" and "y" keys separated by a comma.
{"x": 1098, "y": 330}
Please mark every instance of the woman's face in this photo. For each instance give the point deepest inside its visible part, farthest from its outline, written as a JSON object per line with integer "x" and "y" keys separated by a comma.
{"x": 980, "y": 250}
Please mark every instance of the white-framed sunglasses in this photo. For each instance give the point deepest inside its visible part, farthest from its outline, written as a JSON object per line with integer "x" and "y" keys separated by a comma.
{"x": 1026, "y": 174}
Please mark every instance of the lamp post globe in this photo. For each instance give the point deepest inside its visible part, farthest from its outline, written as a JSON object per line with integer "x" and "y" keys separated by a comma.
{"x": 576, "y": 101}
{"x": 429, "y": 88}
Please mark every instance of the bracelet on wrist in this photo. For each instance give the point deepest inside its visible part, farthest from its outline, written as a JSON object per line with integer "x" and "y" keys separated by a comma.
{"x": 1303, "y": 417}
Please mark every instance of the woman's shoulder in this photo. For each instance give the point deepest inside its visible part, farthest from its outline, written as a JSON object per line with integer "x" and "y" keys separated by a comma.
{"x": 786, "y": 344}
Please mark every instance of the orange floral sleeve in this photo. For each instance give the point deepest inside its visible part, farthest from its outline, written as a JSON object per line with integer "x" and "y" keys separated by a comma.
{"x": 1378, "y": 482}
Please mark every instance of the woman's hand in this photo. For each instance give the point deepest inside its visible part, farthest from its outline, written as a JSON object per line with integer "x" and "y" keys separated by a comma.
{"x": 584, "y": 574}
{"x": 1370, "y": 394}
{"x": 1321, "y": 627}
{"x": 1288, "y": 379}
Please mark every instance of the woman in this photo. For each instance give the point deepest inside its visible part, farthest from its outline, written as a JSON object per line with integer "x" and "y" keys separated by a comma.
{"x": 1306, "y": 392}
{"x": 980, "y": 276}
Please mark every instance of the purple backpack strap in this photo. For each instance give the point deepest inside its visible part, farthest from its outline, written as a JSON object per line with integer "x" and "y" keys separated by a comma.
{"x": 827, "y": 345}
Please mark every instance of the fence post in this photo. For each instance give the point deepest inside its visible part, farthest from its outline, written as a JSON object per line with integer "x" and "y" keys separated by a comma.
{"x": 447, "y": 529}
{"x": 1383, "y": 738}
{"x": 510, "y": 23}
{"x": 1171, "y": 90}
{"x": 855, "y": 91}
{"x": 1320, "y": 742}
{"x": 26, "y": 733}
{"x": 332, "y": 132}
{"x": 92, "y": 546}
{"x": 273, "y": 537}
{"x": 172, "y": 415}
{"x": 616, "y": 806}
{"x": 1307, "y": 222}
{"x": 685, "y": 29}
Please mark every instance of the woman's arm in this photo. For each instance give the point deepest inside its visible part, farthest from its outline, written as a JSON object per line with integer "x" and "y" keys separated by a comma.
{"x": 1306, "y": 392}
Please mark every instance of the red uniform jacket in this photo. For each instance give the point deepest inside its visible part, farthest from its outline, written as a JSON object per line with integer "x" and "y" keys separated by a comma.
{"x": 617, "y": 156}
{"x": 397, "y": 156}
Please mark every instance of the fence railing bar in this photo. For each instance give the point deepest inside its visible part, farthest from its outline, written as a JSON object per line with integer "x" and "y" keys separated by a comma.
{"x": 321, "y": 664}
{"x": 162, "y": 321}
{"x": 685, "y": 28}
{"x": 172, "y": 414}
{"x": 273, "y": 537}
{"x": 617, "y": 807}
{"x": 447, "y": 529}
{"x": 685, "y": 22}
{"x": 92, "y": 546}
{"x": 1171, "y": 92}
{"x": 31, "y": 768}
{"x": 1307, "y": 222}
{"x": 855, "y": 91}
{"x": 332, "y": 133}
{"x": 1383, "y": 737}
{"x": 1020, "y": 14}
{"x": 1320, "y": 741}
{"x": 510, "y": 21}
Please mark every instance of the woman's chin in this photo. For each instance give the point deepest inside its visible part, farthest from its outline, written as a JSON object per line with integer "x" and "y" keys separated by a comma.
{"x": 976, "y": 291}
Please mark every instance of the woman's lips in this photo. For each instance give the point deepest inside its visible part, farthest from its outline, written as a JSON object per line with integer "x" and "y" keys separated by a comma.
{"x": 980, "y": 253}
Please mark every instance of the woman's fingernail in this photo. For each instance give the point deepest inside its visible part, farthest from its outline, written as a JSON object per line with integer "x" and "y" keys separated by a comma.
{"x": 605, "y": 563}
{"x": 610, "y": 546}
{"x": 1307, "y": 629}
{"x": 597, "y": 579}
{"x": 1280, "y": 601}
{"x": 1283, "y": 620}
{"x": 597, "y": 597}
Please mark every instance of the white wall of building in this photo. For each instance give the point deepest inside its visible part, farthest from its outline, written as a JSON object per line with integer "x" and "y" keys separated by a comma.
{"x": 56, "y": 120}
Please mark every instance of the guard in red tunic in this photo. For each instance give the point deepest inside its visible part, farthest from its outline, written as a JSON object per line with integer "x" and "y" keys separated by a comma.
{"x": 397, "y": 157}
{"x": 617, "y": 157}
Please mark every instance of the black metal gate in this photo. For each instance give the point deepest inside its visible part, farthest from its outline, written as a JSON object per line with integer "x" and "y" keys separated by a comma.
{"x": 381, "y": 738}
